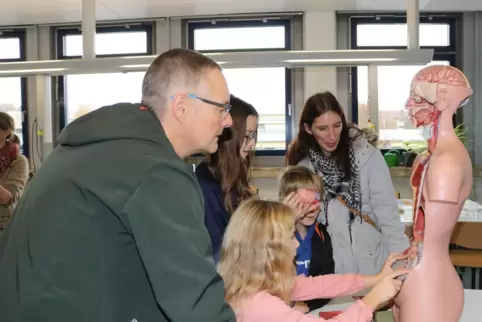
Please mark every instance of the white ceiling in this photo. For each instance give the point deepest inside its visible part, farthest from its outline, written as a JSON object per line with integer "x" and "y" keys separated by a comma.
{"x": 18, "y": 12}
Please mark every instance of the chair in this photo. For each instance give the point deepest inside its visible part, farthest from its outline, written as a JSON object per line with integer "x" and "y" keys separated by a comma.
{"x": 468, "y": 254}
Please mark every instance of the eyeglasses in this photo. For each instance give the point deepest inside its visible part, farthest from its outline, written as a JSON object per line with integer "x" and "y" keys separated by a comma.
{"x": 252, "y": 136}
{"x": 226, "y": 107}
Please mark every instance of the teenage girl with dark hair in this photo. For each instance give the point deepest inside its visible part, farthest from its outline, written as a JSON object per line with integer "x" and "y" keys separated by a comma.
{"x": 224, "y": 176}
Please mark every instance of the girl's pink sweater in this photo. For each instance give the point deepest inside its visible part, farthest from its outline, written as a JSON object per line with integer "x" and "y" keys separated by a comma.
{"x": 263, "y": 307}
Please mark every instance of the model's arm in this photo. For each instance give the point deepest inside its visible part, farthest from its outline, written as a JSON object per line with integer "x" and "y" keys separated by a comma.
{"x": 384, "y": 204}
{"x": 444, "y": 180}
{"x": 167, "y": 223}
{"x": 268, "y": 308}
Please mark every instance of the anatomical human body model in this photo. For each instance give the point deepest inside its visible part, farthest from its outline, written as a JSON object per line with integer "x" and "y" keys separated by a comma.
{"x": 441, "y": 182}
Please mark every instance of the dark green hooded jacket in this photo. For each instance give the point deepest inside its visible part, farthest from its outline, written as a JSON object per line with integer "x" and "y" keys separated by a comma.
{"x": 111, "y": 229}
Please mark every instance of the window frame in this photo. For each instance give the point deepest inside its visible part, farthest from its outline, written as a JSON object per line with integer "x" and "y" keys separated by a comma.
{"x": 21, "y": 35}
{"x": 193, "y": 25}
{"x": 60, "y": 33}
{"x": 441, "y": 53}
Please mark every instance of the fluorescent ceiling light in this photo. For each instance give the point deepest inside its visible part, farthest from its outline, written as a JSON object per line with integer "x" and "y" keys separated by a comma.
{"x": 145, "y": 66}
{"x": 136, "y": 66}
{"x": 40, "y": 71}
{"x": 286, "y": 58}
{"x": 351, "y": 60}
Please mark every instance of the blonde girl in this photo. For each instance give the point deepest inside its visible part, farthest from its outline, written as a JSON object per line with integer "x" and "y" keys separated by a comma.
{"x": 257, "y": 267}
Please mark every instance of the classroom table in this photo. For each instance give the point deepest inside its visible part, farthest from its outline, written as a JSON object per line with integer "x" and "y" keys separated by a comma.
{"x": 472, "y": 307}
{"x": 472, "y": 211}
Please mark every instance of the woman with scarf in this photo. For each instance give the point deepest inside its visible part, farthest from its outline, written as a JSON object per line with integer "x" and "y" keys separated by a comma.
{"x": 359, "y": 208}
{"x": 13, "y": 169}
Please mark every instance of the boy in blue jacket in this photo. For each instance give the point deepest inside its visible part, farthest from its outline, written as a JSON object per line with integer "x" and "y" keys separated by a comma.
{"x": 314, "y": 255}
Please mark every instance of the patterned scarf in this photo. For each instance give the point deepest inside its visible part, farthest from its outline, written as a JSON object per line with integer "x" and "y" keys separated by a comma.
{"x": 334, "y": 178}
{"x": 8, "y": 154}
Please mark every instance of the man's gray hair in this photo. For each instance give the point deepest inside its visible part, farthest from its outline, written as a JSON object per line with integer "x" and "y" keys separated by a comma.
{"x": 178, "y": 67}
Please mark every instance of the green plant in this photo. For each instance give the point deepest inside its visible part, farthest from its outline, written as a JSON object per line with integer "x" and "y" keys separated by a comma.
{"x": 421, "y": 146}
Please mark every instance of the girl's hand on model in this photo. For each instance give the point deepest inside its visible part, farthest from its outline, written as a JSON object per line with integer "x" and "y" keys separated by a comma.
{"x": 385, "y": 290}
{"x": 387, "y": 268}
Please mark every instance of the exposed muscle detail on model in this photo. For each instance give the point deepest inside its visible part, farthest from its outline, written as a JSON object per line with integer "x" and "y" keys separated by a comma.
{"x": 439, "y": 74}
{"x": 441, "y": 181}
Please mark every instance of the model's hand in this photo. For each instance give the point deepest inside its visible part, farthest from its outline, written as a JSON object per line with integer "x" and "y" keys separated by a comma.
{"x": 385, "y": 290}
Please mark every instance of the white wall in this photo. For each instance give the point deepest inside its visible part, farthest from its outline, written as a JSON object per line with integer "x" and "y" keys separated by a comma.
{"x": 320, "y": 34}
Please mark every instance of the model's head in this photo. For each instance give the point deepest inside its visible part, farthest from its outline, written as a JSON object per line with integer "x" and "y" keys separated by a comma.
{"x": 434, "y": 89}
{"x": 258, "y": 250}
{"x": 188, "y": 91}
{"x": 232, "y": 160}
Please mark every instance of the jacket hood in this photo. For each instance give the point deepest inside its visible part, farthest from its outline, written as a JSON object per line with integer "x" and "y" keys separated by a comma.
{"x": 363, "y": 149}
{"x": 115, "y": 122}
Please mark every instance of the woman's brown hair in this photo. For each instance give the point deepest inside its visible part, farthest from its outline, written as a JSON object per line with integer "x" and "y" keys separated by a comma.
{"x": 316, "y": 106}
{"x": 258, "y": 251}
{"x": 7, "y": 123}
{"x": 229, "y": 167}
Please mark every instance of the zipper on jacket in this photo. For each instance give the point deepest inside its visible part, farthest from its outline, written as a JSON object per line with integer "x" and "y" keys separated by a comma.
{"x": 352, "y": 219}
{"x": 350, "y": 223}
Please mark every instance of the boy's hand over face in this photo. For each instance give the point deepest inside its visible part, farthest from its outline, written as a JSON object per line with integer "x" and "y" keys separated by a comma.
{"x": 309, "y": 196}
{"x": 294, "y": 201}
{"x": 304, "y": 202}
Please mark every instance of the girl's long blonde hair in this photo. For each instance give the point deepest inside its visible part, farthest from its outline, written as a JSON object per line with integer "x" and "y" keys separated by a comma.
{"x": 258, "y": 250}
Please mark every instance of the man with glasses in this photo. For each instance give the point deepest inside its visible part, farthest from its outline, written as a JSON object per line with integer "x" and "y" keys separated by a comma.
{"x": 111, "y": 228}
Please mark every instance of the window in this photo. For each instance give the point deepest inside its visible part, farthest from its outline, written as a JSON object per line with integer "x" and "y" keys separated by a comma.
{"x": 10, "y": 44}
{"x": 13, "y": 89}
{"x": 267, "y": 89}
{"x": 80, "y": 94}
{"x": 395, "y": 35}
{"x": 394, "y": 125}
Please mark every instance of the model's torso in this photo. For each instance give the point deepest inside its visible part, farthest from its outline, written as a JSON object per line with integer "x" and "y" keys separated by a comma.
{"x": 433, "y": 276}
